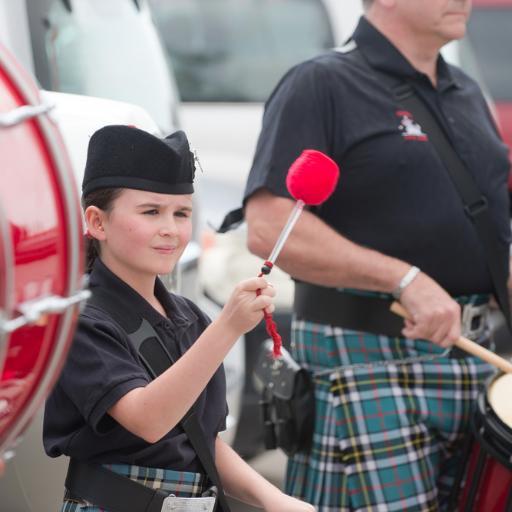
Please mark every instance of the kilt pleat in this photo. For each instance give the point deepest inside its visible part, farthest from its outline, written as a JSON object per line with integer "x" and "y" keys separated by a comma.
{"x": 387, "y": 437}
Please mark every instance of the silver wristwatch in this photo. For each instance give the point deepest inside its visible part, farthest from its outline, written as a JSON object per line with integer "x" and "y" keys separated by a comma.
{"x": 405, "y": 281}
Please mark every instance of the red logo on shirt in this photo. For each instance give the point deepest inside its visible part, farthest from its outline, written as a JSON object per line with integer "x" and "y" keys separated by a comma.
{"x": 410, "y": 129}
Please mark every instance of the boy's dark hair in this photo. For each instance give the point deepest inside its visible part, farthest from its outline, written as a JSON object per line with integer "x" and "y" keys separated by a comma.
{"x": 102, "y": 199}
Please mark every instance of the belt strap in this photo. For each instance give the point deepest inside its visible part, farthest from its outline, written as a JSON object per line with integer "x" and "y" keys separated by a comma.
{"x": 108, "y": 490}
{"x": 350, "y": 311}
{"x": 357, "y": 312}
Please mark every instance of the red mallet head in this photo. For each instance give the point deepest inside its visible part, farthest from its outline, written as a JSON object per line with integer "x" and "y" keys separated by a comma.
{"x": 312, "y": 178}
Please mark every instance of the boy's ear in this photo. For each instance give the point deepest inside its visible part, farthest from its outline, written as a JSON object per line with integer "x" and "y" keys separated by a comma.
{"x": 94, "y": 219}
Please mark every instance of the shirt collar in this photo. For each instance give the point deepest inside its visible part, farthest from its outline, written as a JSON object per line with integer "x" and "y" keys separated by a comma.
{"x": 384, "y": 56}
{"x": 178, "y": 313}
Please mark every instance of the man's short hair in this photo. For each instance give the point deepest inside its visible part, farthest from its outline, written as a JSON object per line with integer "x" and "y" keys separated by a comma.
{"x": 367, "y": 3}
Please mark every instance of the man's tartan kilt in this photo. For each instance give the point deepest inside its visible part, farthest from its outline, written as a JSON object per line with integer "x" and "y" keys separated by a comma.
{"x": 387, "y": 438}
{"x": 180, "y": 483}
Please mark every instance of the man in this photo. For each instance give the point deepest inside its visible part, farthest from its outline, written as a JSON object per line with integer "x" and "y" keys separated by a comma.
{"x": 392, "y": 407}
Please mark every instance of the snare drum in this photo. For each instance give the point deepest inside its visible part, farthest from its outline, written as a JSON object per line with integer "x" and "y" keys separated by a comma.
{"x": 40, "y": 251}
{"x": 488, "y": 485}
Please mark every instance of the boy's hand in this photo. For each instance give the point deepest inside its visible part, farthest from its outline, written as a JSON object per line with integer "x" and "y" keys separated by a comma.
{"x": 244, "y": 309}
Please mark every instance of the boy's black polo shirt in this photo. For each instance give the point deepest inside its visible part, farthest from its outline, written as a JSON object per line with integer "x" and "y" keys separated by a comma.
{"x": 102, "y": 366}
{"x": 394, "y": 195}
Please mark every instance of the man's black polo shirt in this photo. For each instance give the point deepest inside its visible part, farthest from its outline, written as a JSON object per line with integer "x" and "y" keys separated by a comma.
{"x": 394, "y": 195}
{"x": 102, "y": 366}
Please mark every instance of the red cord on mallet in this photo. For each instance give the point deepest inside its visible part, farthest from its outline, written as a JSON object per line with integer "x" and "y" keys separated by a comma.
{"x": 311, "y": 179}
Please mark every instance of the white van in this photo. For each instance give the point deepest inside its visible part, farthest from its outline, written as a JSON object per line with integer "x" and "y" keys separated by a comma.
{"x": 109, "y": 49}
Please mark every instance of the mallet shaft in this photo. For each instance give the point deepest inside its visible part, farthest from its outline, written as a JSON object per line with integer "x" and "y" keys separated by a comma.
{"x": 285, "y": 233}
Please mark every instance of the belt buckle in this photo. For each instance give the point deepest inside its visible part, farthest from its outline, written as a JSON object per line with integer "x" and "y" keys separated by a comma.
{"x": 470, "y": 315}
{"x": 175, "y": 504}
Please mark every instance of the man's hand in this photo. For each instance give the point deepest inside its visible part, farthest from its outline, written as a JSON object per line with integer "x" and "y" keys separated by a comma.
{"x": 434, "y": 315}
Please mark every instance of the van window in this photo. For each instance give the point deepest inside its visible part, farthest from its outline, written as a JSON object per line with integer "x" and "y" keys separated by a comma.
{"x": 236, "y": 50}
{"x": 490, "y": 32}
{"x": 109, "y": 49}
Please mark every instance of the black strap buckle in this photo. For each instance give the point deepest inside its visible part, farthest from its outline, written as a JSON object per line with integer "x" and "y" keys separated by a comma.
{"x": 477, "y": 207}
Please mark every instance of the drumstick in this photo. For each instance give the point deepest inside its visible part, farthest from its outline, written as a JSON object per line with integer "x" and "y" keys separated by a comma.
{"x": 311, "y": 179}
{"x": 467, "y": 345}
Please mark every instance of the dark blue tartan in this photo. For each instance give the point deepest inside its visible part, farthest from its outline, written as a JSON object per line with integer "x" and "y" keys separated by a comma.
{"x": 180, "y": 483}
{"x": 386, "y": 438}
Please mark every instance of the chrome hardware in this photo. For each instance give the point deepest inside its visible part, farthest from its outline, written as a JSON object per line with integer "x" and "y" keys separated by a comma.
{"x": 174, "y": 504}
{"x": 474, "y": 320}
{"x": 21, "y": 114}
{"x": 33, "y": 310}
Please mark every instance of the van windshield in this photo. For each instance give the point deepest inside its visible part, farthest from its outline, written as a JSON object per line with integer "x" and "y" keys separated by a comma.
{"x": 490, "y": 32}
{"x": 236, "y": 50}
{"x": 109, "y": 49}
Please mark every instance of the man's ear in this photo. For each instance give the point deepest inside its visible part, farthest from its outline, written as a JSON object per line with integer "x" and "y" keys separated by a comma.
{"x": 94, "y": 218}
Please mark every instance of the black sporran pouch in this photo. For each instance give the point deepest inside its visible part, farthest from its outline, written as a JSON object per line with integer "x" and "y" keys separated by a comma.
{"x": 287, "y": 401}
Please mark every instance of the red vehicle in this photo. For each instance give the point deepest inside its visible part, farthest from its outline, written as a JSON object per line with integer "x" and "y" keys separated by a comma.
{"x": 490, "y": 36}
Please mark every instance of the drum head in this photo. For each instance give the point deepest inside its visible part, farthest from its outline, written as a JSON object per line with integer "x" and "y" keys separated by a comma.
{"x": 499, "y": 396}
{"x": 41, "y": 253}
{"x": 492, "y": 433}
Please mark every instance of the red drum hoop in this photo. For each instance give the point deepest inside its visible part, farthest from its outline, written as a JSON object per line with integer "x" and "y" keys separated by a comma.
{"x": 41, "y": 256}
{"x": 488, "y": 482}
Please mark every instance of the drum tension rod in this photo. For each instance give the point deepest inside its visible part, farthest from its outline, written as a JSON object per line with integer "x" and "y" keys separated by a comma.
{"x": 32, "y": 311}
{"x": 21, "y": 114}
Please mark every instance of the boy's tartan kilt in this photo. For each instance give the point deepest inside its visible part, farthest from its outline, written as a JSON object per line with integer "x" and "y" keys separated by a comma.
{"x": 179, "y": 483}
{"x": 386, "y": 438}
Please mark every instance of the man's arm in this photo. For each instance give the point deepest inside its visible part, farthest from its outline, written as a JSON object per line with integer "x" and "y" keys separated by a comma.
{"x": 318, "y": 254}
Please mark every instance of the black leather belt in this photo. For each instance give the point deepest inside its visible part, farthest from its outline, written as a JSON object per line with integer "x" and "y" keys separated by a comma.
{"x": 363, "y": 313}
{"x": 356, "y": 312}
{"x": 116, "y": 493}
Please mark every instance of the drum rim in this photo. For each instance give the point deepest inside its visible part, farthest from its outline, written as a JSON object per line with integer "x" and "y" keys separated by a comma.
{"x": 8, "y": 260}
{"x": 73, "y": 225}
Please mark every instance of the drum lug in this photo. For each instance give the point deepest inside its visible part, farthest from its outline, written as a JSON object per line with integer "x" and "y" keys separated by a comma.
{"x": 33, "y": 311}
{"x": 21, "y": 114}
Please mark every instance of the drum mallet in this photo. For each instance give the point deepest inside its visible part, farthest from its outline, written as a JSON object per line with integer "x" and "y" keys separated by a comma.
{"x": 311, "y": 179}
{"x": 467, "y": 345}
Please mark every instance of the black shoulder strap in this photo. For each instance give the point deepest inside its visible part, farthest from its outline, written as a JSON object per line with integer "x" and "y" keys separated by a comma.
{"x": 475, "y": 203}
{"x": 157, "y": 359}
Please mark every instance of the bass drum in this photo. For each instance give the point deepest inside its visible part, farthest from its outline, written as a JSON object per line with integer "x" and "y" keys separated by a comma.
{"x": 41, "y": 256}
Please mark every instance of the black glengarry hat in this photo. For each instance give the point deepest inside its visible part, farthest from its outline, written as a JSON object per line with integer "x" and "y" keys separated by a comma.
{"x": 122, "y": 156}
